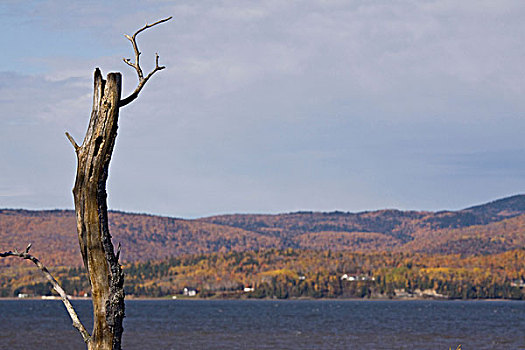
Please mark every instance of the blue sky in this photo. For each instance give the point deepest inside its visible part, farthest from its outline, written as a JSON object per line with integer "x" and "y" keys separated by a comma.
{"x": 270, "y": 106}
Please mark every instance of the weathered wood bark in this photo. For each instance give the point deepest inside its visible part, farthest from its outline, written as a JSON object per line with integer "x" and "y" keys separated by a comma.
{"x": 93, "y": 157}
{"x": 97, "y": 250}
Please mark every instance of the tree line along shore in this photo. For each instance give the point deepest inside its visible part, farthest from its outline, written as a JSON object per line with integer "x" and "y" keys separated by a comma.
{"x": 293, "y": 273}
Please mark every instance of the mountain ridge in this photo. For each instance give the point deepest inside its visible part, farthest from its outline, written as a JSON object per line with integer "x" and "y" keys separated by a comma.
{"x": 493, "y": 227}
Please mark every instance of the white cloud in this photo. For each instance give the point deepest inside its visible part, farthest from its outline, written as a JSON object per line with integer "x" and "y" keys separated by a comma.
{"x": 355, "y": 101}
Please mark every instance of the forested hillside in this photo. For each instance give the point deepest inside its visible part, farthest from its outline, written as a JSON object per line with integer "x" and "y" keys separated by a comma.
{"x": 486, "y": 229}
{"x": 293, "y": 273}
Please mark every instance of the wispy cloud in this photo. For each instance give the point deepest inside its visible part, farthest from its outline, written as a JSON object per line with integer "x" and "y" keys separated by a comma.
{"x": 271, "y": 105}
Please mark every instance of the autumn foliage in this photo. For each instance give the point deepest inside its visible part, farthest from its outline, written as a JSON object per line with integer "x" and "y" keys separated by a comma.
{"x": 473, "y": 253}
{"x": 293, "y": 273}
{"x": 488, "y": 229}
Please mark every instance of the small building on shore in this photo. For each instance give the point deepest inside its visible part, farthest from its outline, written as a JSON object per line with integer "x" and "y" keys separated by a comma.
{"x": 189, "y": 292}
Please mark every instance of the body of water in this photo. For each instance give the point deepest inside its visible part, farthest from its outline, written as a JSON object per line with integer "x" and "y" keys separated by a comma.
{"x": 265, "y": 324}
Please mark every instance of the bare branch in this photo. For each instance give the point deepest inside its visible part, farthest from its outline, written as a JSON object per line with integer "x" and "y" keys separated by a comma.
{"x": 74, "y": 317}
{"x": 151, "y": 25}
{"x": 136, "y": 64}
{"x": 72, "y": 140}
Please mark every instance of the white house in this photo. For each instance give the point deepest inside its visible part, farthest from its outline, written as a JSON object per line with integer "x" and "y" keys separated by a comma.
{"x": 189, "y": 292}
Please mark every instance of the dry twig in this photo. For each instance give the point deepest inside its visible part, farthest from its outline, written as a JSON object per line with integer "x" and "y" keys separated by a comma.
{"x": 74, "y": 317}
{"x": 73, "y": 142}
{"x": 136, "y": 64}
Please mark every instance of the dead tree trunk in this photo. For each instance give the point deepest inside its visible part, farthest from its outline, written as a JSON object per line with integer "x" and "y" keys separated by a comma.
{"x": 104, "y": 270}
{"x": 93, "y": 156}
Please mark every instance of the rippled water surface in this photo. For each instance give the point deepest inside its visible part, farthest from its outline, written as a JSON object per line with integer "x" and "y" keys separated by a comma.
{"x": 202, "y": 324}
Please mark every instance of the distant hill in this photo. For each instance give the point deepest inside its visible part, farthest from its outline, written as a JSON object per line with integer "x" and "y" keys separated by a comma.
{"x": 493, "y": 227}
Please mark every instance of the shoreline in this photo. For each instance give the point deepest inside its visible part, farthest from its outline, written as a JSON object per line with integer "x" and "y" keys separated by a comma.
{"x": 267, "y": 299}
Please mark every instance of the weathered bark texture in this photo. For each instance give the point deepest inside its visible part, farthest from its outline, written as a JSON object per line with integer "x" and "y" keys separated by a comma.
{"x": 97, "y": 250}
{"x": 93, "y": 156}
